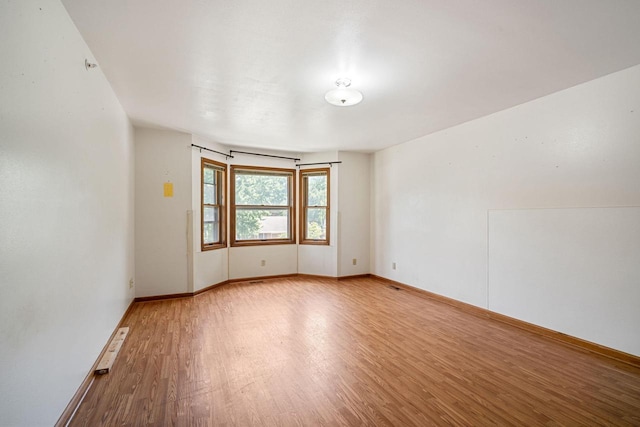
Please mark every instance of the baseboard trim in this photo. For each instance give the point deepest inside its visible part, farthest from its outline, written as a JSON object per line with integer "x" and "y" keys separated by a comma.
{"x": 161, "y": 297}
{"x": 180, "y": 295}
{"x": 592, "y": 347}
{"x": 252, "y": 279}
{"x": 208, "y": 288}
{"x": 316, "y": 276}
{"x": 354, "y": 276}
{"x": 76, "y": 400}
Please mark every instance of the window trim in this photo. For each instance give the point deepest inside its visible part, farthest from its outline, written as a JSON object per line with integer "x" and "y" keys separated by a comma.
{"x": 222, "y": 193}
{"x": 304, "y": 207}
{"x": 292, "y": 206}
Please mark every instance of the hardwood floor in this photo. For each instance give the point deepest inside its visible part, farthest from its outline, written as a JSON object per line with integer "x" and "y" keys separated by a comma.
{"x": 355, "y": 352}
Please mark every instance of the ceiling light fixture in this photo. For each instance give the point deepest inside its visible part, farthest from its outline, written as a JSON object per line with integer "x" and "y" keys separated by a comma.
{"x": 343, "y": 96}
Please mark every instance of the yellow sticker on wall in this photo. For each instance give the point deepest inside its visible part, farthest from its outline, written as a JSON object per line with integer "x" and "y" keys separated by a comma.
{"x": 168, "y": 189}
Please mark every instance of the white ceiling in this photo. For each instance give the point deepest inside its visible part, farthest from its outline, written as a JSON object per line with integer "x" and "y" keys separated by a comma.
{"x": 253, "y": 73}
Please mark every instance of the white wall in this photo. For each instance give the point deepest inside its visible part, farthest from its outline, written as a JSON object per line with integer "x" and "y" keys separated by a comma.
{"x": 66, "y": 212}
{"x": 161, "y": 222}
{"x": 576, "y": 148}
{"x": 551, "y": 266}
{"x": 354, "y": 214}
{"x": 350, "y": 212}
{"x": 245, "y": 262}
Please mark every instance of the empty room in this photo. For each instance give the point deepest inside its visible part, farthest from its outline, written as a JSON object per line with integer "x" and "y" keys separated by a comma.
{"x": 283, "y": 213}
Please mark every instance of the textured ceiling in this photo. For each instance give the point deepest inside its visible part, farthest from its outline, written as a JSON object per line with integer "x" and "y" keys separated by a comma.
{"x": 253, "y": 73}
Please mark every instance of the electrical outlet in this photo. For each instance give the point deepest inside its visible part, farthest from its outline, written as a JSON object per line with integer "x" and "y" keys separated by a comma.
{"x": 393, "y": 265}
{"x": 263, "y": 263}
{"x": 354, "y": 261}
{"x": 131, "y": 283}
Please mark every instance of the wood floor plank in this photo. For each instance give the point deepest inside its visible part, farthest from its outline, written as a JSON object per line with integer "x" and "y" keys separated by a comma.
{"x": 309, "y": 351}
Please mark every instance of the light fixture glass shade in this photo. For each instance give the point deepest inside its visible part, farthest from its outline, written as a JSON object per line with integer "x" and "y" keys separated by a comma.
{"x": 343, "y": 97}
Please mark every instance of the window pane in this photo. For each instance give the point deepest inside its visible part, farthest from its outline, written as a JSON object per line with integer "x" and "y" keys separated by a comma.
{"x": 210, "y": 214}
{"x": 252, "y": 189}
{"x": 210, "y": 234}
{"x": 262, "y": 224}
{"x": 316, "y": 227}
{"x": 317, "y": 190}
{"x": 209, "y": 175}
{"x": 211, "y": 226}
{"x": 209, "y": 193}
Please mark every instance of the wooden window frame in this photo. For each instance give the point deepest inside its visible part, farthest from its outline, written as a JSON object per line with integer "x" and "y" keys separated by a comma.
{"x": 221, "y": 184}
{"x": 303, "y": 206}
{"x": 291, "y": 207}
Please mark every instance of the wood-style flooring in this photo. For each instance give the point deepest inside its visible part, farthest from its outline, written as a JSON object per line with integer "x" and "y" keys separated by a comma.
{"x": 315, "y": 352}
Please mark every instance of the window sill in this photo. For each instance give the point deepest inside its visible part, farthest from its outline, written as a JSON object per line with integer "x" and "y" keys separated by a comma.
{"x": 262, "y": 243}
{"x": 213, "y": 247}
{"x": 315, "y": 242}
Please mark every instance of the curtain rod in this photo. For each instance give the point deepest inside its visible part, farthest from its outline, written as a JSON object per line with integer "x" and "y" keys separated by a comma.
{"x": 264, "y": 155}
{"x": 230, "y": 155}
{"x": 213, "y": 151}
{"x": 319, "y": 163}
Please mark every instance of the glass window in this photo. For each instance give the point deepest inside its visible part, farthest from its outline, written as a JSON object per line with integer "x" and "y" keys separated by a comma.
{"x": 213, "y": 205}
{"x": 262, "y": 206}
{"x": 314, "y": 215}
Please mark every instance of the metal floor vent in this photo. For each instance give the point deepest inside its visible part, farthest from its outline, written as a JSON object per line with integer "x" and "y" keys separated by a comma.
{"x": 256, "y": 281}
{"x": 395, "y": 287}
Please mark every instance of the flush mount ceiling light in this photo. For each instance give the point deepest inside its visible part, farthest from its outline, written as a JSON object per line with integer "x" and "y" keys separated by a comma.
{"x": 343, "y": 96}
